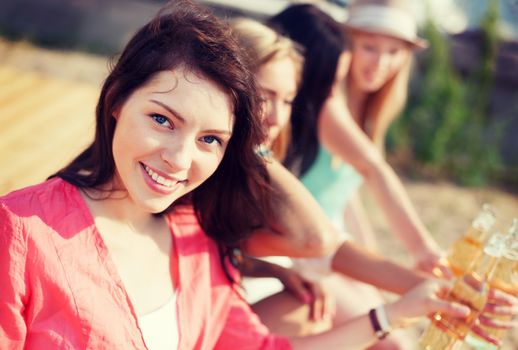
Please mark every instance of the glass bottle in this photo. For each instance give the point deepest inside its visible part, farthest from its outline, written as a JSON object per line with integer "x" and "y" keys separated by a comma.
{"x": 505, "y": 278}
{"x": 467, "y": 248}
{"x": 471, "y": 289}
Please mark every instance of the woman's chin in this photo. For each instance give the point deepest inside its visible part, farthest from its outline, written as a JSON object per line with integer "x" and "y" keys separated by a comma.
{"x": 272, "y": 135}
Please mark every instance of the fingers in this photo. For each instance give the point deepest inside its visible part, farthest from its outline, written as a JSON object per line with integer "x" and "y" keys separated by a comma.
{"x": 497, "y": 322}
{"x": 318, "y": 306}
{"x": 298, "y": 288}
{"x": 451, "y": 308}
{"x": 500, "y": 297}
{"x": 324, "y": 305}
{"x": 498, "y": 309}
{"x": 321, "y": 304}
{"x": 442, "y": 270}
{"x": 436, "y": 266}
{"x": 316, "y": 310}
{"x": 423, "y": 300}
{"x": 330, "y": 305}
{"x": 476, "y": 329}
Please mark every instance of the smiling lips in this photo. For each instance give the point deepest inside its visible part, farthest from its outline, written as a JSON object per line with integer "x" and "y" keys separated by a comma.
{"x": 168, "y": 184}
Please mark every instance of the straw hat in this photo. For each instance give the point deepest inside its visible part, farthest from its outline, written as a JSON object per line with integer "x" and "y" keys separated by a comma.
{"x": 389, "y": 17}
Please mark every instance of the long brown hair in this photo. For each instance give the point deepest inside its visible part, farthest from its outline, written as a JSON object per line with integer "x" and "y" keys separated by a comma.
{"x": 235, "y": 199}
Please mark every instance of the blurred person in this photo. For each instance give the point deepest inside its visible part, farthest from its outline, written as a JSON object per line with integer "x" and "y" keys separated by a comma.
{"x": 127, "y": 246}
{"x": 383, "y": 37}
{"x": 330, "y": 152}
{"x": 334, "y": 156}
{"x": 276, "y": 63}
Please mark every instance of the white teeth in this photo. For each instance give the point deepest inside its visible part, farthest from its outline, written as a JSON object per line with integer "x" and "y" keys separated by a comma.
{"x": 159, "y": 179}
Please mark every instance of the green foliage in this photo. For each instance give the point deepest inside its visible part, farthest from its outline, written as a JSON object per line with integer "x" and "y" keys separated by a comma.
{"x": 446, "y": 125}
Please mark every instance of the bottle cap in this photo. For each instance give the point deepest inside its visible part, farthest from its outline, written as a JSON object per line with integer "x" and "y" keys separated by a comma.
{"x": 496, "y": 245}
{"x": 485, "y": 219}
{"x": 511, "y": 246}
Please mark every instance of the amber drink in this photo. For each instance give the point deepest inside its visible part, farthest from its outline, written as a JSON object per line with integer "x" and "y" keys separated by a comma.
{"x": 466, "y": 249}
{"x": 471, "y": 289}
{"x": 505, "y": 278}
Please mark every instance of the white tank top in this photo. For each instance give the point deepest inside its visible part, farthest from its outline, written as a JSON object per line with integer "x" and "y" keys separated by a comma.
{"x": 160, "y": 327}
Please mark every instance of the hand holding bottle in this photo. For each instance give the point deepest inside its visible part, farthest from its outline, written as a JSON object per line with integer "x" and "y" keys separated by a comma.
{"x": 434, "y": 263}
{"x": 424, "y": 299}
{"x": 498, "y": 314}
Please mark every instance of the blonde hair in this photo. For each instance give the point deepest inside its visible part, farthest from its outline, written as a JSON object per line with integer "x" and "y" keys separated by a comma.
{"x": 264, "y": 45}
{"x": 384, "y": 105}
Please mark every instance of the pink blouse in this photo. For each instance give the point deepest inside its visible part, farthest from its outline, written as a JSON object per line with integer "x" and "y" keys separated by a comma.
{"x": 59, "y": 287}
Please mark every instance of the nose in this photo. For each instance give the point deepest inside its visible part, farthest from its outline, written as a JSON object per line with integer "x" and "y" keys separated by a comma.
{"x": 179, "y": 154}
{"x": 272, "y": 116}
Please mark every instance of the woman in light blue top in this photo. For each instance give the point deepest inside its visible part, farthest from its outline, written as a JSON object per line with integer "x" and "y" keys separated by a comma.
{"x": 332, "y": 185}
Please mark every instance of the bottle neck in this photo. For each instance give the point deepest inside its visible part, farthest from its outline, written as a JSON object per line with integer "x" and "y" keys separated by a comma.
{"x": 483, "y": 271}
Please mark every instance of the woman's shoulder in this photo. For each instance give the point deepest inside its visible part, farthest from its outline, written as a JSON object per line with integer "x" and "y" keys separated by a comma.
{"x": 37, "y": 195}
{"x": 42, "y": 203}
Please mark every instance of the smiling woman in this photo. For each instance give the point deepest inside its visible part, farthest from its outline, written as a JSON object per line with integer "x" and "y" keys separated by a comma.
{"x": 164, "y": 146}
{"x": 104, "y": 254}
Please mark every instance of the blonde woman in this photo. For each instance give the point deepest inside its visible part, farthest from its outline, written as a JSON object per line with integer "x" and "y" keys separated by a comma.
{"x": 383, "y": 37}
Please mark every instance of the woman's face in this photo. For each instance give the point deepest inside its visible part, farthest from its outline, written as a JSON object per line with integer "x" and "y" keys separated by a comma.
{"x": 376, "y": 58}
{"x": 277, "y": 81}
{"x": 170, "y": 136}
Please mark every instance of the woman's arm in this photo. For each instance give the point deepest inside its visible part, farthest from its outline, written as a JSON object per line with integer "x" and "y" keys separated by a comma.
{"x": 356, "y": 262}
{"x": 358, "y": 223}
{"x": 342, "y": 137}
{"x": 13, "y": 287}
{"x": 299, "y": 227}
{"x": 358, "y": 333}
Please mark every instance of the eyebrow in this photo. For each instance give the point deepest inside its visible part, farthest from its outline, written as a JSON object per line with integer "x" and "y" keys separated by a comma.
{"x": 216, "y": 131}
{"x": 182, "y": 119}
{"x": 273, "y": 92}
{"x": 169, "y": 109}
{"x": 268, "y": 90}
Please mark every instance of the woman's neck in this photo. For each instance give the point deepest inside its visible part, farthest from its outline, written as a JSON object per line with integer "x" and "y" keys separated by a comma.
{"x": 116, "y": 205}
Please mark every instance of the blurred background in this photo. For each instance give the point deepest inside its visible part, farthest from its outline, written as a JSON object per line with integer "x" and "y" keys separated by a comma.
{"x": 460, "y": 122}
{"x": 456, "y": 144}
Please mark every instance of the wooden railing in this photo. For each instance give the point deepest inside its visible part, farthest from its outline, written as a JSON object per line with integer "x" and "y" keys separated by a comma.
{"x": 44, "y": 123}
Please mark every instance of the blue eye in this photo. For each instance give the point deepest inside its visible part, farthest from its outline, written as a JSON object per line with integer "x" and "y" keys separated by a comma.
{"x": 160, "y": 119}
{"x": 210, "y": 139}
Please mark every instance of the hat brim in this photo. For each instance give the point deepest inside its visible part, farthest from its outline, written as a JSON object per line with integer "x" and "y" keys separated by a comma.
{"x": 415, "y": 42}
